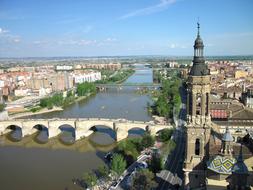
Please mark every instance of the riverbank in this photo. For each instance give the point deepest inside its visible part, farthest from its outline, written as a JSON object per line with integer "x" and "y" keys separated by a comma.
{"x": 46, "y": 110}
{"x": 118, "y": 78}
{"x": 30, "y": 113}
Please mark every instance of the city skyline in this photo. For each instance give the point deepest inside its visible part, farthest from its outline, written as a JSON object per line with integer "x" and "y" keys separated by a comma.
{"x": 111, "y": 28}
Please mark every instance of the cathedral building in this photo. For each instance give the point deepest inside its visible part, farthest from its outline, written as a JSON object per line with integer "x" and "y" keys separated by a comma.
{"x": 201, "y": 134}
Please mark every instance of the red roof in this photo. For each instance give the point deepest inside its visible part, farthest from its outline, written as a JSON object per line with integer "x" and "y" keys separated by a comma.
{"x": 219, "y": 114}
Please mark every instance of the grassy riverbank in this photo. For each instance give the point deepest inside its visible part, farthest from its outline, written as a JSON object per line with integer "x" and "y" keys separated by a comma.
{"x": 30, "y": 113}
{"x": 116, "y": 78}
{"x": 58, "y": 101}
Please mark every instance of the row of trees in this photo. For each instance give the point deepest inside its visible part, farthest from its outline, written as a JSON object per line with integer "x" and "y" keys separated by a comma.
{"x": 118, "y": 77}
{"x": 85, "y": 88}
{"x": 168, "y": 99}
{"x": 50, "y": 102}
{"x": 59, "y": 101}
{"x": 131, "y": 148}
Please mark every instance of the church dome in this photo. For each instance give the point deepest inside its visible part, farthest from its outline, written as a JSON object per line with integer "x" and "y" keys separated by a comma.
{"x": 198, "y": 42}
{"x": 227, "y": 136}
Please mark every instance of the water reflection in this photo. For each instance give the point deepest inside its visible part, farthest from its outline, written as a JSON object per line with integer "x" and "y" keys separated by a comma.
{"x": 136, "y": 132}
{"x": 63, "y": 141}
{"x": 67, "y": 135}
{"x": 103, "y": 136}
{"x": 42, "y": 134}
{"x": 15, "y": 133}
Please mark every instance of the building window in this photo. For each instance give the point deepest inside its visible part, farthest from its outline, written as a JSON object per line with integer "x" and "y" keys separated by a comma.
{"x": 197, "y": 147}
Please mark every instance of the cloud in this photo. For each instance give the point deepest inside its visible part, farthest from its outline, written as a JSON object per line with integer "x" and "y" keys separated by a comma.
{"x": 110, "y": 40}
{"x": 7, "y": 37}
{"x": 172, "y": 46}
{"x": 3, "y": 31}
{"x": 16, "y": 40}
{"x": 178, "y": 46}
{"x": 161, "y": 6}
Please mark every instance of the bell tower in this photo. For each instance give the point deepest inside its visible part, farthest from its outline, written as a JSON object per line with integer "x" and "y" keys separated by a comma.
{"x": 197, "y": 130}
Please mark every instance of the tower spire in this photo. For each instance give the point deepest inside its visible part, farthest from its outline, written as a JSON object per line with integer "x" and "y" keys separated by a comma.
{"x": 198, "y": 28}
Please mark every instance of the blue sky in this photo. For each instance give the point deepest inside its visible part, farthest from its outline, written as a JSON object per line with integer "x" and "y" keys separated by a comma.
{"x": 38, "y": 28}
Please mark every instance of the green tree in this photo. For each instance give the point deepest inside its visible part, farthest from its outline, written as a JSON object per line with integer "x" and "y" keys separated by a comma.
{"x": 165, "y": 134}
{"x": 147, "y": 141}
{"x": 103, "y": 171}
{"x": 144, "y": 180}
{"x": 162, "y": 106}
{"x": 2, "y": 107}
{"x": 130, "y": 148}
{"x": 90, "y": 179}
{"x": 118, "y": 164}
{"x": 85, "y": 88}
{"x": 156, "y": 163}
{"x": 43, "y": 102}
{"x": 69, "y": 94}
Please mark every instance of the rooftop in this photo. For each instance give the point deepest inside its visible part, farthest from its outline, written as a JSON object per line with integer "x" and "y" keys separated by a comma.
{"x": 221, "y": 165}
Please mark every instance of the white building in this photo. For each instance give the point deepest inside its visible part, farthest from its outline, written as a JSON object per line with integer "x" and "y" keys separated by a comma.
{"x": 87, "y": 77}
{"x": 22, "y": 92}
{"x": 64, "y": 68}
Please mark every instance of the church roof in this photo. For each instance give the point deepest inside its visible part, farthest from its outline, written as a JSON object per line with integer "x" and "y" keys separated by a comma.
{"x": 221, "y": 165}
{"x": 199, "y": 69}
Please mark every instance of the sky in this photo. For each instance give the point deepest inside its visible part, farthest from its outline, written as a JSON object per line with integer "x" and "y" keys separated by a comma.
{"x": 48, "y": 28}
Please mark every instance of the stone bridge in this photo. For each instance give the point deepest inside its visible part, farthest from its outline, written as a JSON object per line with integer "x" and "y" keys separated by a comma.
{"x": 81, "y": 126}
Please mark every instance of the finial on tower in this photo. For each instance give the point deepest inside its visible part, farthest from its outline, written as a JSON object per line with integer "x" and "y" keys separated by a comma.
{"x": 198, "y": 27}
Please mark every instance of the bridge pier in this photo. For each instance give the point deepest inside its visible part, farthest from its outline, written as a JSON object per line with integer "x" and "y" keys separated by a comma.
{"x": 121, "y": 134}
{"x": 3, "y": 132}
{"x": 26, "y": 131}
{"x": 53, "y": 132}
{"x": 81, "y": 133}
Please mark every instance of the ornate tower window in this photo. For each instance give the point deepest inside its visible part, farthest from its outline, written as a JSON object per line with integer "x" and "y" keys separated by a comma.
{"x": 197, "y": 147}
{"x": 198, "y": 104}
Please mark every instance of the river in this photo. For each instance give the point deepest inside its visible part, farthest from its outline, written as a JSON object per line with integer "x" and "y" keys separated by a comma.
{"x": 35, "y": 162}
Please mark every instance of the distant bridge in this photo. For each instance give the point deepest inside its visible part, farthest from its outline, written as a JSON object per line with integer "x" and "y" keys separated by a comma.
{"x": 139, "y": 85}
{"x": 82, "y": 126}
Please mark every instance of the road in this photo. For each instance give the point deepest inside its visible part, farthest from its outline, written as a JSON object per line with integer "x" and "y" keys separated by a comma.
{"x": 172, "y": 176}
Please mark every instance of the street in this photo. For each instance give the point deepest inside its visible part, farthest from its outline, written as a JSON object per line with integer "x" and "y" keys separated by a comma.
{"x": 172, "y": 176}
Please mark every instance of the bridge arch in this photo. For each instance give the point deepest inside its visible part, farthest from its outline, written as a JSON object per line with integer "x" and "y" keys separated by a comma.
{"x": 137, "y": 131}
{"x": 104, "y": 133}
{"x": 42, "y": 133}
{"x": 67, "y": 133}
{"x": 14, "y": 132}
